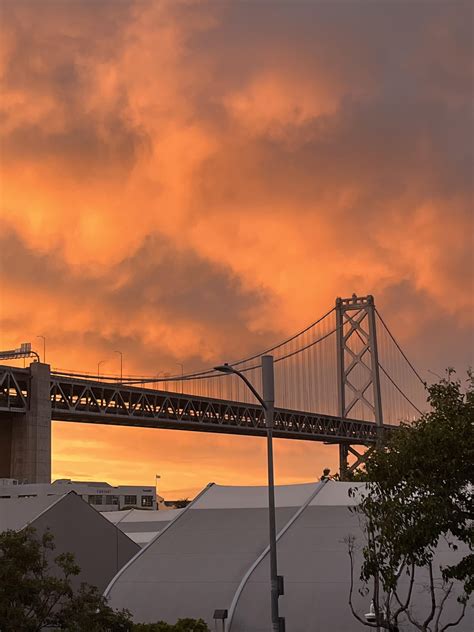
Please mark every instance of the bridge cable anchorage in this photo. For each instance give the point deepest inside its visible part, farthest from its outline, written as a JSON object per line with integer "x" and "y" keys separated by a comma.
{"x": 400, "y": 349}
{"x": 399, "y": 389}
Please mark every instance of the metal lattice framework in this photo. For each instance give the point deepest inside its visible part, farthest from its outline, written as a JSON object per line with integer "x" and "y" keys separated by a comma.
{"x": 357, "y": 358}
{"x": 345, "y": 387}
{"x": 357, "y": 368}
{"x": 91, "y": 401}
{"x": 14, "y": 388}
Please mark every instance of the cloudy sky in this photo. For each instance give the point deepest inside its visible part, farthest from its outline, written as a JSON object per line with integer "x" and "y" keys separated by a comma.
{"x": 189, "y": 181}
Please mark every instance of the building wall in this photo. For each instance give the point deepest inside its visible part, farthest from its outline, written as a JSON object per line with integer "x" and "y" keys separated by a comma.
{"x": 99, "y": 548}
{"x": 102, "y": 497}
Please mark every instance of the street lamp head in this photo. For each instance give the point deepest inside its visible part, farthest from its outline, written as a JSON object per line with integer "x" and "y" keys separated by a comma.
{"x": 224, "y": 368}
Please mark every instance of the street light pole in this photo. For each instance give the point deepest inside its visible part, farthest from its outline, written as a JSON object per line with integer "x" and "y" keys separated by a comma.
{"x": 182, "y": 375}
{"x": 269, "y": 399}
{"x": 44, "y": 347}
{"x": 157, "y": 476}
{"x": 268, "y": 405}
{"x": 121, "y": 365}
{"x": 98, "y": 367}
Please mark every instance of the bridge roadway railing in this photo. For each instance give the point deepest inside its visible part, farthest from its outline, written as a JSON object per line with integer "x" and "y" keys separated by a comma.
{"x": 92, "y": 401}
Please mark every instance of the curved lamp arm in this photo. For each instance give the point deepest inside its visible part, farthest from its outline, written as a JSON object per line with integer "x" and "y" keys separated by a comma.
{"x": 226, "y": 368}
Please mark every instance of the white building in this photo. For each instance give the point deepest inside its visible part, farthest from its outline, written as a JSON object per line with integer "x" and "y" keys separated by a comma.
{"x": 100, "y": 495}
{"x": 214, "y": 556}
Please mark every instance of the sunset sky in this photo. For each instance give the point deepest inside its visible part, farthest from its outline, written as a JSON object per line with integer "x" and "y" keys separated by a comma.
{"x": 189, "y": 182}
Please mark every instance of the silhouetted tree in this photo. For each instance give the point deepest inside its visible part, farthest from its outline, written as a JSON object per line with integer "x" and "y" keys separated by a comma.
{"x": 183, "y": 625}
{"x": 33, "y": 596}
{"x": 420, "y": 490}
{"x": 182, "y": 503}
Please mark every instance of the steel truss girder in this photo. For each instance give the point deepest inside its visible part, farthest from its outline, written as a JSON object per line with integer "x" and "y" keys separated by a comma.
{"x": 14, "y": 389}
{"x": 94, "y": 402}
{"x": 90, "y": 401}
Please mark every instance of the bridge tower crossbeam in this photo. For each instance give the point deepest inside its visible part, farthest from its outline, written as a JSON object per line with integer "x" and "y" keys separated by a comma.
{"x": 357, "y": 370}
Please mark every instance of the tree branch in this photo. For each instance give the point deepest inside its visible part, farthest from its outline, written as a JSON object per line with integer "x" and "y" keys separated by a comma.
{"x": 441, "y": 605}
{"x": 351, "y": 589}
{"x": 450, "y": 625}
{"x": 433, "y": 596}
{"x": 404, "y": 606}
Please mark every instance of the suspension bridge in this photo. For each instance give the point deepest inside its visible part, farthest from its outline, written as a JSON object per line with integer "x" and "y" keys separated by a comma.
{"x": 344, "y": 379}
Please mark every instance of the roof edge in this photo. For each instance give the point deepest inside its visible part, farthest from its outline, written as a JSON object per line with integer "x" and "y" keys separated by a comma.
{"x": 55, "y": 502}
{"x": 142, "y": 550}
{"x": 264, "y": 553}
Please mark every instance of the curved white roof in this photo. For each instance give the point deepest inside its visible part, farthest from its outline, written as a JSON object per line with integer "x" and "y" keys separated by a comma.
{"x": 214, "y": 555}
{"x": 141, "y": 526}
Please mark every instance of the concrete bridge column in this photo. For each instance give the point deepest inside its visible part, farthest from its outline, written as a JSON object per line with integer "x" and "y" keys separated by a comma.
{"x": 30, "y": 458}
{"x": 5, "y": 446}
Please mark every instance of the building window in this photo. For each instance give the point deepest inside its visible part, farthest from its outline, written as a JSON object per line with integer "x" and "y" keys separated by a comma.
{"x": 111, "y": 500}
{"x": 95, "y": 500}
{"x": 130, "y": 500}
{"x": 147, "y": 501}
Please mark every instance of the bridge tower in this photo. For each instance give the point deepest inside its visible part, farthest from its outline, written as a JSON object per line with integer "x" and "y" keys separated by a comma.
{"x": 25, "y": 435}
{"x": 358, "y": 375}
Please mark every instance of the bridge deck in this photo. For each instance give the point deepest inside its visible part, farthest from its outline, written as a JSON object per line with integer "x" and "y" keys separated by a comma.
{"x": 91, "y": 401}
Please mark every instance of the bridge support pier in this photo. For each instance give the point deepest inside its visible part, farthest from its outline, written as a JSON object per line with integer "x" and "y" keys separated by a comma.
{"x": 5, "y": 446}
{"x": 343, "y": 464}
{"x": 344, "y": 468}
{"x": 25, "y": 439}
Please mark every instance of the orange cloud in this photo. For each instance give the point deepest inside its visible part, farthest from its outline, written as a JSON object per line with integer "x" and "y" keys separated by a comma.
{"x": 191, "y": 181}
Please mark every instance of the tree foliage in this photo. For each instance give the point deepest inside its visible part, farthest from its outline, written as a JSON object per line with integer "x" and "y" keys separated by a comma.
{"x": 34, "y": 596}
{"x": 183, "y": 625}
{"x": 420, "y": 490}
{"x": 181, "y": 503}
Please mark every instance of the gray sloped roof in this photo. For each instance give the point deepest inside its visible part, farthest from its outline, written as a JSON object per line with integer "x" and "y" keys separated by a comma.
{"x": 215, "y": 555}
{"x": 141, "y": 526}
{"x": 99, "y": 547}
{"x": 16, "y": 513}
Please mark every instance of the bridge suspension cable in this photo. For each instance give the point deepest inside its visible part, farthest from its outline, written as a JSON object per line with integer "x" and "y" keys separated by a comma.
{"x": 403, "y": 389}
{"x": 399, "y": 389}
{"x": 400, "y": 349}
{"x": 306, "y": 373}
{"x": 205, "y": 373}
